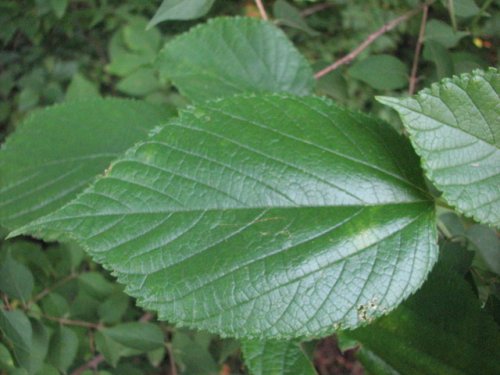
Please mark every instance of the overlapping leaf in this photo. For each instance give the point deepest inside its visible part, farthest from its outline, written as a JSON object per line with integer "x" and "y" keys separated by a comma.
{"x": 455, "y": 127}
{"x": 269, "y": 216}
{"x": 439, "y": 330}
{"x": 227, "y": 56}
{"x": 276, "y": 358}
{"x": 58, "y": 151}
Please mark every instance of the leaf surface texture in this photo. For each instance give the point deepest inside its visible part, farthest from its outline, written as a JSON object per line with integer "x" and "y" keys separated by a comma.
{"x": 455, "y": 127}
{"x": 272, "y": 216}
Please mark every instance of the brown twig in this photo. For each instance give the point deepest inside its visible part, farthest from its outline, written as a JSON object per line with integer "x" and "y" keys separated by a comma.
{"x": 53, "y": 287}
{"x": 6, "y": 302}
{"x": 71, "y": 322}
{"x": 262, "y": 10}
{"x": 173, "y": 369}
{"x": 315, "y": 9}
{"x": 418, "y": 48}
{"x": 92, "y": 364}
{"x": 371, "y": 38}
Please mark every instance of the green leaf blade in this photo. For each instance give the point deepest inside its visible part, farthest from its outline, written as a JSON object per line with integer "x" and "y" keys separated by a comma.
{"x": 249, "y": 217}
{"x": 455, "y": 128}
{"x": 228, "y": 56}
{"x": 441, "y": 329}
{"x": 276, "y": 358}
{"x": 181, "y": 10}
{"x": 58, "y": 151}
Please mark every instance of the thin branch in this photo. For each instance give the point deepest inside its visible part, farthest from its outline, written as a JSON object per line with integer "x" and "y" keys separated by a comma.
{"x": 418, "y": 48}
{"x": 54, "y": 286}
{"x": 6, "y": 302}
{"x": 371, "y": 38}
{"x": 262, "y": 10}
{"x": 92, "y": 364}
{"x": 315, "y": 9}
{"x": 70, "y": 322}
{"x": 171, "y": 359}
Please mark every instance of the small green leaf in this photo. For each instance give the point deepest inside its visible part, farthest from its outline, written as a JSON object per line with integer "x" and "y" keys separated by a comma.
{"x": 455, "y": 128}
{"x": 123, "y": 61}
{"x": 465, "y": 8}
{"x": 138, "y": 336}
{"x": 193, "y": 357}
{"x": 320, "y": 210}
{"x": 290, "y": 16}
{"x": 16, "y": 279}
{"x": 17, "y": 330}
{"x": 181, "y": 10}
{"x": 59, "y": 7}
{"x": 58, "y": 151}
{"x": 276, "y": 358}
{"x": 486, "y": 241}
{"x": 382, "y": 72}
{"x": 110, "y": 349}
{"x": 439, "y": 55}
{"x": 63, "y": 348}
{"x": 440, "y": 330}
{"x": 6, "y": 360}
{"x": 112, "y": 310}
{"x": 227, "y": 56}
{"x": 39, "y": 346}
{"x": 54, "y": 304}
{"x": 140, "y": 40}
{"x": 81, "y": 88}
{"x": 443, "y": 33}
{"x": 139, "y": 83}
{"x": 95, "y": 284}
{"x": 155, "y": 357}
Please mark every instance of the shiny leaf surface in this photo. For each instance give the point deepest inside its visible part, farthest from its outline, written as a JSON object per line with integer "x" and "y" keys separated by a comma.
{"x": 455, "y": 127}
{"x": 271, "y": 216}
{"x": 227, "y": 56}
{"x": 58, "y": 151}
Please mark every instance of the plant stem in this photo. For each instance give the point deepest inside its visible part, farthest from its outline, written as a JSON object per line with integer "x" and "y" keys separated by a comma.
{"x": 418, "y": 48}
{"x": 262, "y": 10}
{"x": 480, "y": 14}
{"x": 371, "y": 38}
{"x": 70, "y": 322}
{"x": 173, "y": 369}
{"x": 56, "y": 285}
{"x": 451, "y": 10}
{"x": 92, "y": 364}
{"x": 315, "y": 9}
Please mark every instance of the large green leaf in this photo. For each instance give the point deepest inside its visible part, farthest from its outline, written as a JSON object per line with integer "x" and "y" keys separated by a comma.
{"x": 276, "y": 358}
{"x": 235, "y": 55}
{"x": 455, "y": 127}
{"x": 269, "y": 215}
{"x": 439, "y": 330}
{"x": 58, "y": 151}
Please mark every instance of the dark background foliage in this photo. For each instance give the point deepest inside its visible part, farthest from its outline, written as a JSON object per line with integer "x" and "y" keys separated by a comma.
{"x": 59, "y": 50}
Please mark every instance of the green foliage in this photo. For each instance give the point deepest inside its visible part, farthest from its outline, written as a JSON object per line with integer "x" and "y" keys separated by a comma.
{"x": 276, "y": 358}
{"x": 136, "y": 219}
{"x": 382, "y": 72}
{"x": 234, "y": 55}
{"x": 181, "y": 10}
{"x": 43, "y": 166}
{"x": 424, "y": 334}
{"x": 261, "y": 211}
{"x": 455, "y": 128}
